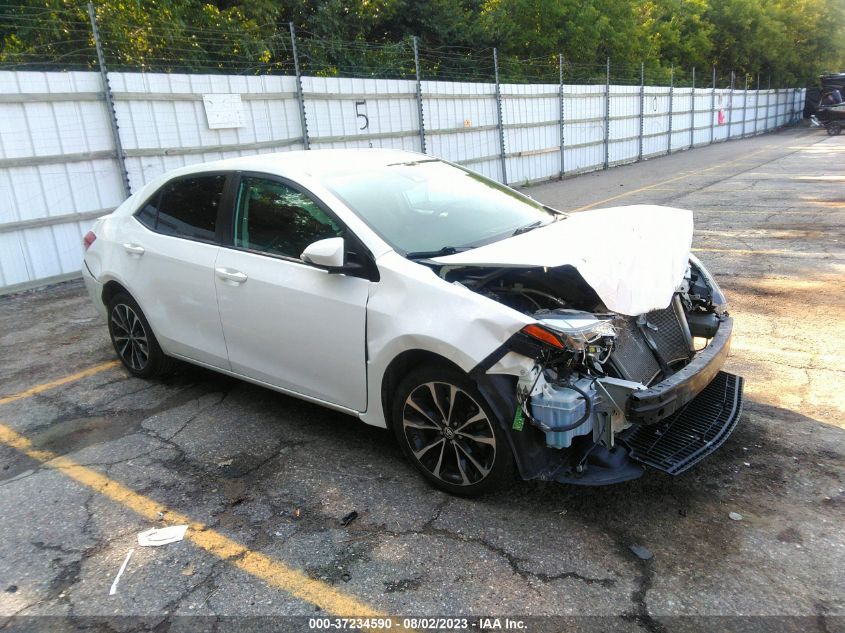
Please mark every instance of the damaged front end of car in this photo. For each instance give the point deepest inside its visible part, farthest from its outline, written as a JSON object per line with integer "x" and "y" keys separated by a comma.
{"x": 605, "y": 393}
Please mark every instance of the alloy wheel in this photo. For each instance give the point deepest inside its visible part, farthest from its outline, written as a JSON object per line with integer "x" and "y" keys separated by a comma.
{"x": 130, "y": 337}
{"x": 449, "y": 434}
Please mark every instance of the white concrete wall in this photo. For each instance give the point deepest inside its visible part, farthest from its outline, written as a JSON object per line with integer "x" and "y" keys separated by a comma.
{"x": 58, "y": 166}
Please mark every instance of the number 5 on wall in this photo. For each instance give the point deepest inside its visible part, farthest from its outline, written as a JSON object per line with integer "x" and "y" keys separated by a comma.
{"x": 362, "y": 115}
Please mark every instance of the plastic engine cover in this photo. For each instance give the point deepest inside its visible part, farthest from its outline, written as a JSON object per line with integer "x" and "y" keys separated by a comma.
{"x": 557, "y": 406}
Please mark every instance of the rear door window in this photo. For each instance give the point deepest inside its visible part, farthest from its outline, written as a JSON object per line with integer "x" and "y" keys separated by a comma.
{"x": 186, "y": 208}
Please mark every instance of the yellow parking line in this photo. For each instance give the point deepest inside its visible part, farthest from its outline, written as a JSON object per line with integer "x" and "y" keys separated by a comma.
{"x": 271, "y": 571}
{"x": 666, "y": 182}
{"x": 61, "y": 381}
{"x": 780, "y": 253}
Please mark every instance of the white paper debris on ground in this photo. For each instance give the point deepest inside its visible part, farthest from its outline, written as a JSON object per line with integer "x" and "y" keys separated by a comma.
{"x": 162, "y": 536}
{"x": 735, "y": 516}
{"x": 113, "y": 589}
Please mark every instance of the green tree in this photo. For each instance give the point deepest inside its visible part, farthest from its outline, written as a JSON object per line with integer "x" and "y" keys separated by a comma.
{"x": 791, "y": 40}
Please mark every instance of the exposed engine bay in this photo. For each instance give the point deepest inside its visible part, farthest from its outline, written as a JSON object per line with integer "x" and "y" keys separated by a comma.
{"x": 589, "y": 360}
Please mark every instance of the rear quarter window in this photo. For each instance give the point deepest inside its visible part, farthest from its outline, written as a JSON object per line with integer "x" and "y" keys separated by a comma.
{"x": 185, "y": 208}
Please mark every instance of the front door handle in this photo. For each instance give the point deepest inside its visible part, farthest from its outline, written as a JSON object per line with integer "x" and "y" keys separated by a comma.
{"x": 133, "y": 249}
{"x": 231, "y": 275}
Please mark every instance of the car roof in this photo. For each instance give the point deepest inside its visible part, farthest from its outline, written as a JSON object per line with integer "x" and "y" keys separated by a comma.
{"x": 314, "y": 163}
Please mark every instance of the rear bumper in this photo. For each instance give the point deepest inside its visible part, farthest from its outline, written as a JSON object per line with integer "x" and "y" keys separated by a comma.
{"x": 660, "y": 401}
{"x": 95, "y": 290}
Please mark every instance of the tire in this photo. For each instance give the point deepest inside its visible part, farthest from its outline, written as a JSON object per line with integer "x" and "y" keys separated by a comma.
{"x": 834, "y": 129}
{"x": 449, "y": 433}
{"x": 133, "y": 339}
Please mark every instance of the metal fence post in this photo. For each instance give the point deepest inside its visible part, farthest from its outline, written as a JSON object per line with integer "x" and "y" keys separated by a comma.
{"x": 562, "y": 118}
{"x": 692, "y": 112}
{"x": 712, "y": 104}
{"x": 768, "y": 100}
{"x": 419, "y": 95}
{"x": 777, "y": 107}
{"x": 744, "y": 105}
{"x": 792, "y": 106}
{"x": 109, "y": 98}
{"x": 300, "y": 97}
{"x": 607, "y": 114}
{"x": 499, "y": 114}
{"x": 671, "y": 105}
{"x": 642, "y": 111}
{"x": 731, "y": 105}
{"x": 757, "y": 105}
{"x": 785, "y": 105}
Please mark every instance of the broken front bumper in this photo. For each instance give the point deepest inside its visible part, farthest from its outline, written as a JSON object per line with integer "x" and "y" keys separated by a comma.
{"x": 677, "y": 422}
{"x": 696, "y": 430}
{"x": 660, "y": 401}
{"x": 689, "y": 415}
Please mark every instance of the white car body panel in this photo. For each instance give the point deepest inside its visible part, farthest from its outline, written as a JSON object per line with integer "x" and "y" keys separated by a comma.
{"x": 411, "y": 308}
{"x": 637, "y": 243}
{"x": 295, "y": 326}
{"x": 172, "y": 281}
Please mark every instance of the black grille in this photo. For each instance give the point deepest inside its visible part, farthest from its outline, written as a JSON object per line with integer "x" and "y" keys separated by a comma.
{"x": 692, "y": 433}
{"x": 670, "y": 336}
{"x": 632, "y": 357}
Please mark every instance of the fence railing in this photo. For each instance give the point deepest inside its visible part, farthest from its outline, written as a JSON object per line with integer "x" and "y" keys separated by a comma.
{"x": 74, "y": 144}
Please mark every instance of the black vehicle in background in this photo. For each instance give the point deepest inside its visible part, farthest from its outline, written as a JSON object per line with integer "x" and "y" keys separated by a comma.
{"x": 829, "y": 111}
{"x": 827, "y": 83}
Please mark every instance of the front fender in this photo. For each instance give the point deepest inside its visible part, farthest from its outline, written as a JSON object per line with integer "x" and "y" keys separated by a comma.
{"x": 411, "y": 308}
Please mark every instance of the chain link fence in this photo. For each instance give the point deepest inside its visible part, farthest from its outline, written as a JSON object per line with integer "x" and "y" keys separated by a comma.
{"x": 102, "y": 104}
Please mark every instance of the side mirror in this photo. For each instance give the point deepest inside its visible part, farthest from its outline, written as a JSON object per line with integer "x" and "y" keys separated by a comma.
{"x": 329, "y": 253}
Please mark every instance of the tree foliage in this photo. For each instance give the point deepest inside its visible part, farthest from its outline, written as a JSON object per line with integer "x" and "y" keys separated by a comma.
{"x": 790, "y": 40}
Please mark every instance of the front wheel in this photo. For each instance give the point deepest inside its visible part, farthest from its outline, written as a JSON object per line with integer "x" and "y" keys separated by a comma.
{"x": 834, "y": 129}
{"x": 447, "y": 430}
{"x": 133, "y": 339}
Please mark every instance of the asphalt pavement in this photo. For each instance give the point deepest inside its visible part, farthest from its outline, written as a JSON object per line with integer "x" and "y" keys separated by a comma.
{"x": 90, "y": 457}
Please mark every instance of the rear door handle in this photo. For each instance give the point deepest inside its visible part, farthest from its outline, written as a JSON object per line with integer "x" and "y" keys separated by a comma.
{"x": 134, "y": 249}
{"x": 231, "y": 275}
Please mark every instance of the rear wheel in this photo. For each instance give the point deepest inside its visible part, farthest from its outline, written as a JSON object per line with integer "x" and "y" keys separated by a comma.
{"x": 447, "y": 430}
{"x": 834, "y": 129}
{"x": 133, "y": 339}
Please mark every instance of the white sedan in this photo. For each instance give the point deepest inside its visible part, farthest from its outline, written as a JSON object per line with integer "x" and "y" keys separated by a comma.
{"x": 488, "y": 331}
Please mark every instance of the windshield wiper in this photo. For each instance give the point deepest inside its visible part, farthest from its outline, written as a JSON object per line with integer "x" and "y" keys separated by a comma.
{"x": 528, "y": 227}
{"x": 446, "y": 250}
{"x": 561, "y": 214}
{"x": 413, "y": 163}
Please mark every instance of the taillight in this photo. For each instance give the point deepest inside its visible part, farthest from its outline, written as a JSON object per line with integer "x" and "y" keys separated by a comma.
{"x": 88, "y": 239}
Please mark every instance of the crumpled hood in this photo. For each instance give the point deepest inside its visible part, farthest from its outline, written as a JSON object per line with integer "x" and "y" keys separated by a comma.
{"x": 633, "y": 257}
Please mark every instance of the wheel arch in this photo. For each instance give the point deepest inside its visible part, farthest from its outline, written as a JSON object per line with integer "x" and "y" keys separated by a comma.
{"x": 400, "y": 367}
{"x": 110, "y": 289}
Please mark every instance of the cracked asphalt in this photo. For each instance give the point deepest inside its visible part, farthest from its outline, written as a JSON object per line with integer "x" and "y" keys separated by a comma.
{"x": 276, "y": 474}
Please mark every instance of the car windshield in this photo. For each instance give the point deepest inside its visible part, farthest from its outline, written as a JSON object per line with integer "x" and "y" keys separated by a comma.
{"x": 429, "y": 207}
